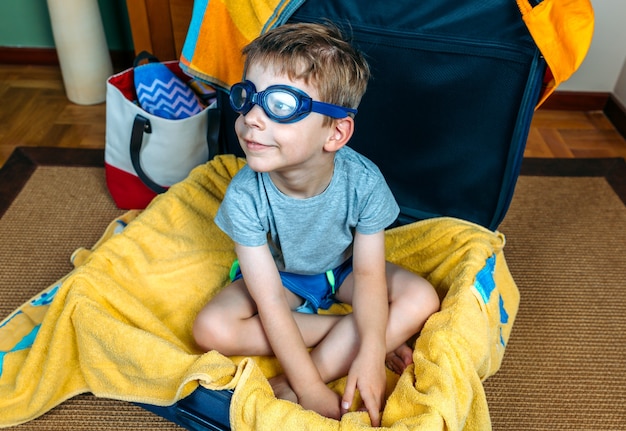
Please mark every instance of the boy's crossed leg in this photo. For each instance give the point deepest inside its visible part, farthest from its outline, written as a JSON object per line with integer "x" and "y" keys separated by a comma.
{"x": 229, "y": 324}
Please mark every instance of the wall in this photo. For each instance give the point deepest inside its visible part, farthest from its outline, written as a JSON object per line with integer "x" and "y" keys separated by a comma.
{"x": 26, "y": 23}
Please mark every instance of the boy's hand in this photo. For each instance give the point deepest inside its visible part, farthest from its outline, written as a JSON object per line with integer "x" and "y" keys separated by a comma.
{"x": 322, "y": 400}
{"x": 367, "y": 374}
{"x": 370, "y": 305}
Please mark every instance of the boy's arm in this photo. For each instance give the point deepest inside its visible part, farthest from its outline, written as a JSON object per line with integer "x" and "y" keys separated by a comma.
{"x": 265, "y": 287}
{"x": 370, "y": 306}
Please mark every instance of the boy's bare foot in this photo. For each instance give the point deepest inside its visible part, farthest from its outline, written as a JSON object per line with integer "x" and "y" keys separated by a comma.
{"x": 399, "y": 359}
{"x": 282, "y": 389}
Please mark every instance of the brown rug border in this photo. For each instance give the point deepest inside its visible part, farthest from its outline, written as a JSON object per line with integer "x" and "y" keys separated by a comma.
{"x": 24, "y": 161}
{"x": 21, "y": 164}
{"x": 612, "y": 169}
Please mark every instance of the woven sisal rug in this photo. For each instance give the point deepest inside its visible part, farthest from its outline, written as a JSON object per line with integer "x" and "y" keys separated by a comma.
{"x": 565, "y": 365}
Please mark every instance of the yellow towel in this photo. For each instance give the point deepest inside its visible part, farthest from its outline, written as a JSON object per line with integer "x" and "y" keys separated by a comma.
{"x": 120, "y": 323}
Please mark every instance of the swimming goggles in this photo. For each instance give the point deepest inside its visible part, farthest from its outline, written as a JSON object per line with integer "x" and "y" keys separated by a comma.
{"x": 281, "y": 103}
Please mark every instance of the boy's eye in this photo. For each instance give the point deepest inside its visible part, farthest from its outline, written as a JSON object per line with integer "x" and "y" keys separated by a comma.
{"x": 281, "y": 104}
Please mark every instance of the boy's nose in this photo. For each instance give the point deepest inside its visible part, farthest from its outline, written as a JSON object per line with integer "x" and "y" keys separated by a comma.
{"x": 255, "y": 117}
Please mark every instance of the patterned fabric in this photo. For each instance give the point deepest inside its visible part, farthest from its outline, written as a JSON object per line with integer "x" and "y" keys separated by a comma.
{"x": 163, "y": 94}
{"x": 219, "y": 29}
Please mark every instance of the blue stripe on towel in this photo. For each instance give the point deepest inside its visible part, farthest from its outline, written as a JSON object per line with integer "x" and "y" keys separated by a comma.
{"x": 27, "y": 341}
{"x": 485, "y": 283}
{"x": 24, "y": 343}
{"x": 189, "y": 47}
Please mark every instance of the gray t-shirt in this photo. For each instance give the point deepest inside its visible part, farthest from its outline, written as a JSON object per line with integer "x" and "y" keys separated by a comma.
{"x": 313, "y": 235}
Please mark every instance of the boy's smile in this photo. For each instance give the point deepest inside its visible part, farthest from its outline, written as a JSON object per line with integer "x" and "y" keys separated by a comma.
{"x": 255, "y": 146}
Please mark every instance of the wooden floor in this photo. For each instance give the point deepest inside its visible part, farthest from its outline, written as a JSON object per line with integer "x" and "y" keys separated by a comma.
{"x": 34, "y": 111}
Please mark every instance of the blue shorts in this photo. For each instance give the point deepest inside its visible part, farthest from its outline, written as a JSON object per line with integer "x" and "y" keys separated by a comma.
{"x": 318, "y": 290}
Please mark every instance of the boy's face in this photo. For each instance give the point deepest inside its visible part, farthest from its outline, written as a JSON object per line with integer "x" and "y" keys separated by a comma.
{"x": 280, "y": 147}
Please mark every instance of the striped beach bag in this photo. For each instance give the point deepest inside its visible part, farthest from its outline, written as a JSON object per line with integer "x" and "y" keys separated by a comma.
{"x": 157, "y": 129}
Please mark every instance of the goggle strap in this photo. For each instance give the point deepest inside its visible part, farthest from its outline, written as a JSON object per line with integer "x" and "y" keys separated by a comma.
{"x": 334, "y": 111}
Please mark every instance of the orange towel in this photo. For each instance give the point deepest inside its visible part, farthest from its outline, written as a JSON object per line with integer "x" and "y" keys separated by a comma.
{"x": 219, "y": 29}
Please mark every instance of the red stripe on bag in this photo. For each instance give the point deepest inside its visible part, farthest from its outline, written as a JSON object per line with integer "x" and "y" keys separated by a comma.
{"x": 127, "y": 190}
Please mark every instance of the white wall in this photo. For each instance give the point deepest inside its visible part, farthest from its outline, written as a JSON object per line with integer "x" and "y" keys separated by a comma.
{"x": 604, "y": 68}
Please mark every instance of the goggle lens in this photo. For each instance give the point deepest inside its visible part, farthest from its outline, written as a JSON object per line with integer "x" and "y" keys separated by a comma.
{"x": 239, "y": 98}
{"x": 281, "y": 103}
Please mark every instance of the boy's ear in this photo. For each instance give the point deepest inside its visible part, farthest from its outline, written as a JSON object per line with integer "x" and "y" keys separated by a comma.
{"x": 340, "y": 133}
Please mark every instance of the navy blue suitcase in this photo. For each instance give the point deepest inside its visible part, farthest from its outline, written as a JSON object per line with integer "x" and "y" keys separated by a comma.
{"x": 448, "y": 109}
{"x": 445, "y": 117}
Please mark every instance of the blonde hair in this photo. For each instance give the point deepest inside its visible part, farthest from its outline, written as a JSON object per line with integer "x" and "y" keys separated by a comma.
{"x": 319, "y": 55}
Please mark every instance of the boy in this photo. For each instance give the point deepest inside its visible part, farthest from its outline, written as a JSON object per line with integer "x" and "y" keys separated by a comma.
{"x": 307, "y": 215}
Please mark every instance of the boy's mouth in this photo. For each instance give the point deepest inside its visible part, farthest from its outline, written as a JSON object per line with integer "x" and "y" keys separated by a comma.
{"x": 255, "y": 146}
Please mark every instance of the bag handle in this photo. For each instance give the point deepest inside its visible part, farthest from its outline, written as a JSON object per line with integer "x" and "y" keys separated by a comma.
{"x": 145, "y": 55}
{"x": 213, "y": 130}
{"x": 142, "y": 125}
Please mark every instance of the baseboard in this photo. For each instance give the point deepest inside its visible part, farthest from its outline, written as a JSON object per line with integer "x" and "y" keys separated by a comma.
{"x": 35, "y": 56}
{"x": 576, "y": 101}
{"x": 48, "y": 57}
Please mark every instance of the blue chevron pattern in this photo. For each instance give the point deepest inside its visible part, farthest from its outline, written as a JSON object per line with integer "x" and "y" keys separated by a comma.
{"x": 163, "y": 94}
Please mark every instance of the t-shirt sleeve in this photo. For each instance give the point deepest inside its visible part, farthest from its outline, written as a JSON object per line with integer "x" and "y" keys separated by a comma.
{"x": 240, "y": 214}
{"x": 379, "y": 209}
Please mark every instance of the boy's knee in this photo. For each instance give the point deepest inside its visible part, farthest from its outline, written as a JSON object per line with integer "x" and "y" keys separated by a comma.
{"x": 429, "y": 297}
{"x": 210, "y": 332}
{"x": 423, "y": 297}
